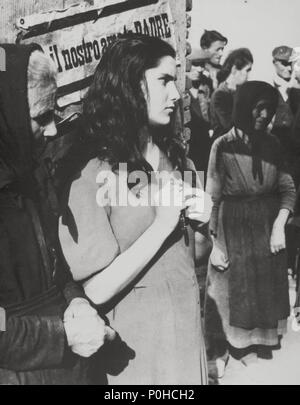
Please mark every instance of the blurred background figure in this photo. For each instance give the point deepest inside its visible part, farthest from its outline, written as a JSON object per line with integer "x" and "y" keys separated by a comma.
{"x": 48, "y": 326}
{"x": 206, "y": 63}
{"x": 234, "y": 72}
{"x": 283, "y": 120}
{"x": 253, "y": 196}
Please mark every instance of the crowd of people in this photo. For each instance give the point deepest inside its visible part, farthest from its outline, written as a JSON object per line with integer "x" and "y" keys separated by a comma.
{"x": 97, "y": 253}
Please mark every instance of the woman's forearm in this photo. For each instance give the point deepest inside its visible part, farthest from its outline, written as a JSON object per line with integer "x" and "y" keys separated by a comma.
{"x": 282, "y": 217}
{"x": 123, "y": 270}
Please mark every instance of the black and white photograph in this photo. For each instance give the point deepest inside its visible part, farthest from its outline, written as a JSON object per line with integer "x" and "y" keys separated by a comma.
{"x": 149, "y": 195}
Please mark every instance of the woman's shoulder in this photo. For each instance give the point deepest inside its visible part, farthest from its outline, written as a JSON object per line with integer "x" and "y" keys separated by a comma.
{"x": 88, "y": 178}
{"x": 272, "y": 141}
{"x": 222, "y": 92}
{"x": 225, "y": 139}
{"x": 92, "y": 169}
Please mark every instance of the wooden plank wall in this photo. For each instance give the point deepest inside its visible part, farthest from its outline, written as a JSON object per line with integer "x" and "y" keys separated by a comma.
{"x": 10, "y": 10}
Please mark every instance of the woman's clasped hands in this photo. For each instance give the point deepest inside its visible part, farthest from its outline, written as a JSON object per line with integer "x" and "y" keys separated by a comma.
{"x": 198, "y": 204}
{"x": 176, "y": 197}
{"x": 168, "y": 201}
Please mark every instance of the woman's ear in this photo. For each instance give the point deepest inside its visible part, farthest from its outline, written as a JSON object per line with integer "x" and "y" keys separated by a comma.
{"x": 144, "y": 89}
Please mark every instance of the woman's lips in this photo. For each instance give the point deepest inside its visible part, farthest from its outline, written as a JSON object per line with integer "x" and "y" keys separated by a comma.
{"x": 170, "y": 109}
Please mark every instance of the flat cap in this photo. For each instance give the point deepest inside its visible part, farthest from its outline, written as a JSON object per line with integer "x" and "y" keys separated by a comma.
{"x": 282, "y": 53}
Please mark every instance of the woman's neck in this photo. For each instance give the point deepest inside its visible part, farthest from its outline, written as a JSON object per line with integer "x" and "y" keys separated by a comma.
{"x": 242, "y": 135}
{"x": 152, "y": 154}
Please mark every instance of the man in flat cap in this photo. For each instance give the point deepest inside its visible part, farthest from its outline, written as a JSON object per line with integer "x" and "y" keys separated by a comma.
{"x": 283, "y": 117}
{"x": 281, "y": 60}
{"x": 206, "y": 63}
{"x": 285, "y": 123}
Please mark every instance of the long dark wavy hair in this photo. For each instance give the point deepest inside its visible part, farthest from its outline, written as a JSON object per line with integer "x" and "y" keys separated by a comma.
{"x": 239, "y": 58}
{"x": 115, "y": 110}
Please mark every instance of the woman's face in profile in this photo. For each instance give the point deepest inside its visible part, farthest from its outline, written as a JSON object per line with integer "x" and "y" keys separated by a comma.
{"x": 161, "y": 92}
{"x": 261, "y": 114}
{"x": 242, "y": 75}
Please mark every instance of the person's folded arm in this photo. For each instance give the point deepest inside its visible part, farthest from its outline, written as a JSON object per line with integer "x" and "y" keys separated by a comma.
{"x": 214, "y": 185}
{"x": 287, "y": 197}
{"x": 125, "y": 268}
{"x": 95, "y": 252}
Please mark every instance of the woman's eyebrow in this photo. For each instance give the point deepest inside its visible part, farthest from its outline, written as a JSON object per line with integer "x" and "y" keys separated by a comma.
{"x": 167, "y": 76}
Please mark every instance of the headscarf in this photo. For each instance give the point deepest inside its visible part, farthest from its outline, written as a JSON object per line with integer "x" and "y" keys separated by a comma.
{"x": 16, "y": 139}
{"x": 246, "y": 98}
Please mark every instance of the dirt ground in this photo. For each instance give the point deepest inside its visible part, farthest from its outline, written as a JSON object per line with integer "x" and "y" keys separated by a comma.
{"x": 283, "y": 369}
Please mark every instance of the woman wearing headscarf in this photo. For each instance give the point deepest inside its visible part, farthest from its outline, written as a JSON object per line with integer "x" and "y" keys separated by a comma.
{"x": 253, "y": 196}
{"x": 45, "y": 320}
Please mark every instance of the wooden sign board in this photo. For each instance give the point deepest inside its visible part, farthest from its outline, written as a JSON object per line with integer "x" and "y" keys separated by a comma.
{"x": 75, "y": 38}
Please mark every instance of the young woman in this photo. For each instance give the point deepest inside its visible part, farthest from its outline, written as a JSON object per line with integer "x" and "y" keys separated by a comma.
{"x": 137, "y": 264}
{"x": 253, "y": 196}
{"x": 234, "y": 72}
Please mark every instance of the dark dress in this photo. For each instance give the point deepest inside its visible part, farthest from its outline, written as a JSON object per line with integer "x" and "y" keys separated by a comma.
{"x": 200, "y": 142}
{"x": 221, "y": 110}
{"x": 252, "y": 296}
{"x": 35, "y": 282}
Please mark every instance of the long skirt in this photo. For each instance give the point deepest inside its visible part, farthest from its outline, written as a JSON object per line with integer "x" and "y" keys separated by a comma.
{"x": 251, "y": 297}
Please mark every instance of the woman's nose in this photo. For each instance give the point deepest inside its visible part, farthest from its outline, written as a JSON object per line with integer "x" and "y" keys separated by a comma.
{"x": 264, "y": 113}
{"x": 50, "y": 129}
{"x": 174, "y": 94}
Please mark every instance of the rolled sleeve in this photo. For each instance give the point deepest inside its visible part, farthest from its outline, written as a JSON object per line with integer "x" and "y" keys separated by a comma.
{"x": 287, "y": 191}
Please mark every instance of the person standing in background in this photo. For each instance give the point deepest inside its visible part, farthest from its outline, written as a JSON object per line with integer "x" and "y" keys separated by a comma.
{"x": 234, "y": 72}
{"x": 283, "y": 120}
{"x": 204, "y": 82}
{"x": 47, "y": 325}
{"x": 294, "y": 99}
{"x": 253, "y": 197}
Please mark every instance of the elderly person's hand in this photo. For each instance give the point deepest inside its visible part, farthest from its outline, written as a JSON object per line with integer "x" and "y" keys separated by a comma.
{"x": 219, "y": 259}
{"x": 85, "y": 330}
{"x": 277, "y": 240}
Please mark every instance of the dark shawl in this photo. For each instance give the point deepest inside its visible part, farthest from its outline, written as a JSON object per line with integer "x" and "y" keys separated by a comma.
{"x": 246, "y": 98}
{"x": 26, "y": 192}
{"x": 16, "y": 143}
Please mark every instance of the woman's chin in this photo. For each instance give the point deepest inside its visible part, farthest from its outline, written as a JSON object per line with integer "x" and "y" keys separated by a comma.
{"x": 160, "y": 123}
